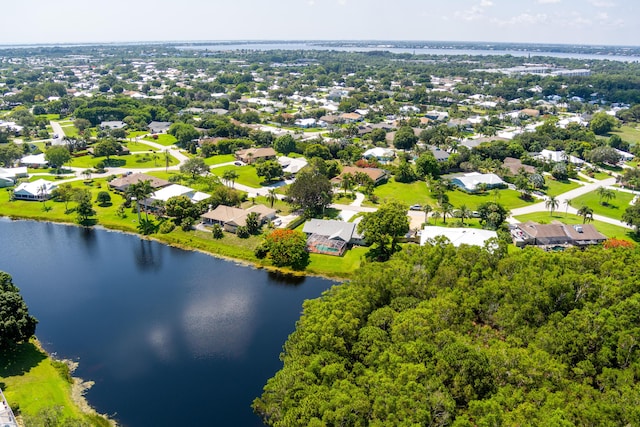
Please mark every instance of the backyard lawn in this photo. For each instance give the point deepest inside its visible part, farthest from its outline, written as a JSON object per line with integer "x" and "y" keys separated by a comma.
{"x": 246, "y": 175}
{"x": 163, "y": 139}
{"x": 510, "y": 199}
{"x": 605, "y": 228}
{"x": 134, "y": 161}
{"x": 412, "y": 193}
{"x": 219, "y": 159}
{"x": 555, "y": 187}
{"x": 630, "y": 134}
{"x": 614, "y": 209}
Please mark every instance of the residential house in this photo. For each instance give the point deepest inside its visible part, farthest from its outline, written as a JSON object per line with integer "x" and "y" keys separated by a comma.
{"x": 351, "y": 117}
{"x": 310, "y": 123}
{"x": 555, "y": 234}
{"x": 113, "y": 125}
{"x": 382, "y": 155}
{"x": 331, "y": 237}
{"x": 162, "y": 195}
{"x": 471, "y": 181}
{"x": 159, "y": 127}
{"x": 230, "y": 218}
{"x": 377, "y": 175}
{"x": 122, "y": 184}
{"x": 292, "y": 165}
{"x": 457, "y": 236}
{"x": 440, "y": 154}
{"x": 34, "y": 161}
{"x": 557, "y": 157}
{"x": 251, "y": 155}
{"x": 38, "y": 190}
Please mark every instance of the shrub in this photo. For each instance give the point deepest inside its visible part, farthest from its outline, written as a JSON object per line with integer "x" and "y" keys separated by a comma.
{"x": 187, "y": 223}
{"x": 216, "y": 232}
{"x": 104, "y": 198}
{"x": 167, "y": 227}
{"x": 242, "y": 232}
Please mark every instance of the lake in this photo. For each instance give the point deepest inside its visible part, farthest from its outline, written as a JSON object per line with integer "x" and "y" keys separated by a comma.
{"x": 170, "y": 337}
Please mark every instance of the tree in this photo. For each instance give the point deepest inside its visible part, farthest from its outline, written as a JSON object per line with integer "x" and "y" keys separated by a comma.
{"x": 16, "y": 324}
{"x": 427, "y": 164}
{"x": 605, "y": 195}
{"x": 631, "y": 217}
{"x": 184, "y": 133}
{"x": 318, "y": 150}
{"x": 284, "y": 144}
{"x": 405, "y": 138}
{"x": 384, "y": 226}
{"x": 287, "y": 248}
{"x": 446, "y": 209}
{"x": 604, "y": 154}
{"x": 602, "y": 123}
{"x": 104, "y": 198}
{"x": 272, "y": 196}
{"x": 427, "y": 209}
{"x": 107, "y": 148}
{"x": 567, "y": 204}
{"x": 464, "y": 213}
{"x": 194, "y": 166}
{"x": 560, "y": 172}
{"x": 140, "y": 190}
{"x": 586, "y": 213}
{"x": 552, "y": 204}
{"x": 492, "y": 214}
{"x": 63, "y": 193}
{"x": 216, "y": 231}
{"x": 523, "y": 185}
{"x": 82, "y": 125}
{"x": 347, "y": 182}
{"x": 57, "y": 156}
{"x": 269, "y": 170}
{"x": 311, "y": 191}
{"x": 84, "y": 207}
{"x": 230, "y": 176}
{"x": 181, "y": 207}
{"x": 253, "y": 223}
{"x": 9, "y": 153}
{"x": 405, "y": 173}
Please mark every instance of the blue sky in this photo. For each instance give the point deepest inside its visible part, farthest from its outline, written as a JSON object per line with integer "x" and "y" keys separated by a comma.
{"x": 540, "y": 21}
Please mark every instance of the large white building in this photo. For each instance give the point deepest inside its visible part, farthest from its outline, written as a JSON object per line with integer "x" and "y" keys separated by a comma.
{"x": 457, "y": 236}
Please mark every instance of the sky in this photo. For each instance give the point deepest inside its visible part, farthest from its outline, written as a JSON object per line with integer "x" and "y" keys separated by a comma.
{"x": 593, "y": 22}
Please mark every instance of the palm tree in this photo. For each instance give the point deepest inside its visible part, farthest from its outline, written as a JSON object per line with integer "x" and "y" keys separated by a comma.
{"x": 272, "y": 196}
{"x": 605, "y": 195}
{"x": 427, "y": 209}
{"x": 167, "y": 160}
{"x": 230, "y": 176}
{"x": 464, "y": 213}
{"x": 552, "y": 204}
{"x": 446, "y": 209}
{"x": 586, "y": 213}
{"x": 140, "y": 191}
{"x": 347, "y": 182}
{"x": 567, "y": 203}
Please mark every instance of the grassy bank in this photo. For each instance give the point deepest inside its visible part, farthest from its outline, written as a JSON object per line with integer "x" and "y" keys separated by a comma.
{"x": 35, "y": 384}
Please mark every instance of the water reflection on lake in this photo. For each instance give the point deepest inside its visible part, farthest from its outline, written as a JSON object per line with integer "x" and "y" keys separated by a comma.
{"x": 170, "y": 337}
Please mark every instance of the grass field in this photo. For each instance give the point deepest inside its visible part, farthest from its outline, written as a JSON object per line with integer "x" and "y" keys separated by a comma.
{"x": 614, "y": 209}
{"x": 246, "y": 175}
{"x": 137, "y": 133}
{"x": 630, "y": 134}
{"x": 555, "y": 188}
{"x": 134, "y": 161}
{"x": 70, "y": 130}
{"x": 609, "y": 230}
{"x": 510, "y": 199}
{"x": 163, "y": 139}
{"x": 32, "y": 382}
{"x": 412, "y": 193}
{"x": 219, "y": 159}
{"x": 138, "y": 146}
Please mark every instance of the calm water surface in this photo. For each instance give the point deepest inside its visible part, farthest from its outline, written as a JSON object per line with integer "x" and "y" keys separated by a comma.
{"x": 170, "y": 337}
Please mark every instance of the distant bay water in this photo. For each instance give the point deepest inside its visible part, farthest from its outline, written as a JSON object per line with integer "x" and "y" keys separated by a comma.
{"x": 170, "y": 337}
{"x": 258, "y": 46}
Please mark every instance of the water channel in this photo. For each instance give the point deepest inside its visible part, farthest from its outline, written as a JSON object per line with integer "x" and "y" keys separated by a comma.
{"x": 170, "y": 337}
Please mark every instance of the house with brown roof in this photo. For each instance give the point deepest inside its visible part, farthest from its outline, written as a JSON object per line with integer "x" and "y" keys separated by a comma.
{"x": 350, "y": 117}
{"x": 251, "y": 155}
{"x": 122, "y": 184}
{"x": 377, "y": 175}
{"x": 556, "y": 234}
{"x": 230, "y": 218}
{"x": 514, "y": 166}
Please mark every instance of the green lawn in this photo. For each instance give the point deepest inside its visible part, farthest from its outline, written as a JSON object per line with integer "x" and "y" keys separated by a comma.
{"x": 605, "y": 228}
{"x": 136, "y": 133}
{"x": 246, "y": 175}
{"x": 412, "y": 193}
{"x": 163, "y": 139}
{"x": 629, "y": 134}
{"x": 138, "y": 146}
{"x": 336, "y": 266}
{"x": 31, "y": 383}
{"x": 221, "y": 158}
{"x": 133, "y": 161}
{"x": 558, "y": 187}
{"x": 70, "y": 130}
{"x": 614, "y": 209}
{"x": 510, "y": 199}
{"x": 281, "y": 207}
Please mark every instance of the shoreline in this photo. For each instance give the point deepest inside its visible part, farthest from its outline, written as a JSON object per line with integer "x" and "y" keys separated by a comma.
{"x": 186, "y": 247}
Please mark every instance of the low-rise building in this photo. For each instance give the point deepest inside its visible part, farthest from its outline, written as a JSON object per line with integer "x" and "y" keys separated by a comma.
{"x": 331, "y": 237}
{"x": 38, "y": 190}
{"x": 457, "y": 236}
{"x": 376, "y": 174}
{"x": 251, "y": 155}
{"x": 555, "y": 234}
{"x": 472, "y": 181}
{"x": 122, "y": 184}
{"x": 230, "y": 218}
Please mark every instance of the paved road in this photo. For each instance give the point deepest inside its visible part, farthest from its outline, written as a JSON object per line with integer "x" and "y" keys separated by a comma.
{"x": 57, "y": 130}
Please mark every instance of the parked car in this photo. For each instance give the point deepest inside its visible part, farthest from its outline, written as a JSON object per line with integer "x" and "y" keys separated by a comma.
{"x": 415, "y": 207}
{"x": 238, "y": 163}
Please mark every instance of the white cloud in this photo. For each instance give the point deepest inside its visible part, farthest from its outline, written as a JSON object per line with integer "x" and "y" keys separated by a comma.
{"x": 602, "y": 3}
{"x": 486, "y": 3}
{"x": 311, "y": 2}
{"x": 474, "y": 13}
{"x": 526, "y": 18}
{"x": 342, "y": 2}
{"x": 548, "y": 1}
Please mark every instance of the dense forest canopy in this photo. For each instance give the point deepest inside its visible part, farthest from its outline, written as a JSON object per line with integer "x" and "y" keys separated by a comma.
{"x": 446, "y": 336}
